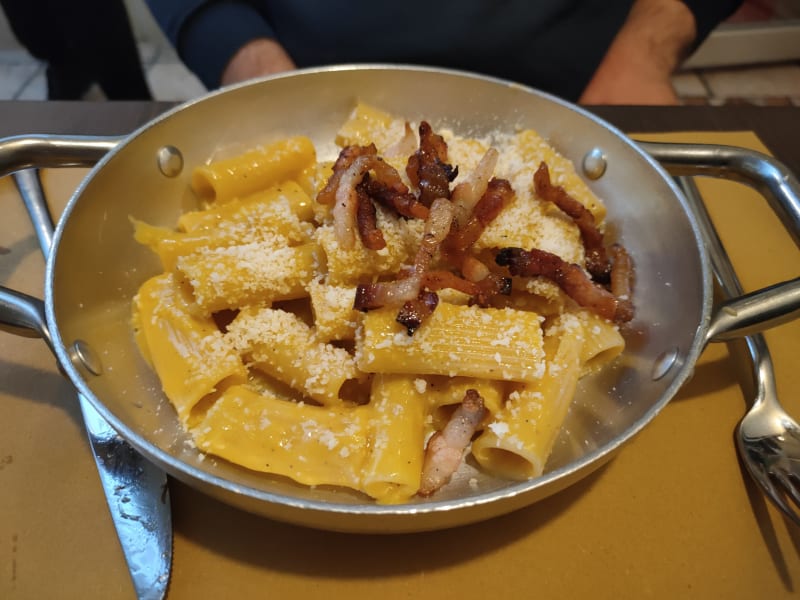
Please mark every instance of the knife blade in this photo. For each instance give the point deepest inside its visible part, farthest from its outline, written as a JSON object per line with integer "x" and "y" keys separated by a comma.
{"x": 136, "y": 490}
{"x": 138, "y": 498}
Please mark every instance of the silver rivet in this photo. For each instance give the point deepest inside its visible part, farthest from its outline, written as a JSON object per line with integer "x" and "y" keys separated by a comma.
{"x": 82, "y": 355}
{"x": 595, "y": 163}
{"x": 170, "y": 161}
{"x": 665, "y": 361}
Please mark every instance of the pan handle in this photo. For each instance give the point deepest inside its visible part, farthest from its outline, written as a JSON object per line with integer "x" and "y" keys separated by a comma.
{"x": 50, "y": 151}
{"x": 21, "y": 314}
{"x": 760, "y": 171}
{"x": 772, "y": 305}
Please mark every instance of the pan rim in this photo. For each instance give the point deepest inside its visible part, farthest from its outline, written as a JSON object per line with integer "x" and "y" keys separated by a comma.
{"x": 370, "y": 510}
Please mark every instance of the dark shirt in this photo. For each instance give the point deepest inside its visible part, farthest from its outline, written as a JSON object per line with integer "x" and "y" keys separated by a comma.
{"x": 552, "y": 45}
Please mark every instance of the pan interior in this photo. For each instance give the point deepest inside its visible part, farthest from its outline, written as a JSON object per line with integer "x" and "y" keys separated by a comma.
{"x": 98, "y": 266}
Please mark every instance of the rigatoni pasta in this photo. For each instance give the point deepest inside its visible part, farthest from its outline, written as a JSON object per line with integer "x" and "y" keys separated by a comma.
{"x": 465, "y": 341}
{"x": 518, "y": 440}
{"x": 281, "y": 345}
{"x": 460, "y": 320}
{"x": 257, "y": 169}
{"x": 191, "y": 356}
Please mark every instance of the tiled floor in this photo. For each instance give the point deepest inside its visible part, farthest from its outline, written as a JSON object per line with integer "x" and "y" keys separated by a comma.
{"x": 22, "y": 78}
{"x": 770, "y": 84}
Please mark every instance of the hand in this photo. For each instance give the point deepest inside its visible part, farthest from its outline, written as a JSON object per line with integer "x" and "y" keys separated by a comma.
{"x": 257, "y": 58}
{"x": 639, "y": 64}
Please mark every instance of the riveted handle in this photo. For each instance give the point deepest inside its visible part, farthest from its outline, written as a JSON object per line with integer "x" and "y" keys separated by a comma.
{"x": 21, "y": 155}
{"x": 741, "y": 314}
{"x": 53, "y": 151}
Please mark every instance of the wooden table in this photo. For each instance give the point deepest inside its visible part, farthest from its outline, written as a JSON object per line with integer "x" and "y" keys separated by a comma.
{"x": 672, "y": 516}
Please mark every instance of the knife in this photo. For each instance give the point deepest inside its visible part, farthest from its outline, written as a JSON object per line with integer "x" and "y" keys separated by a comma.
{"x": 136, "y": 490}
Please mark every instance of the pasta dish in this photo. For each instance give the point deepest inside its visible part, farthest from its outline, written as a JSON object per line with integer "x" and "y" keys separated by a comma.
{"x": 374, "y": 321}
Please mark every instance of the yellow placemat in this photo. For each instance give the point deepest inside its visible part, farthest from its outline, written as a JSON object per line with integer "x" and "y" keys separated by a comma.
{"x": 672, "y": 516}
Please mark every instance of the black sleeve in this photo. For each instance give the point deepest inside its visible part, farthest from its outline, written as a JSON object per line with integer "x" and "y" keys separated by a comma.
{"x": 206, "y": 34}
{"x": 710, "y": 13}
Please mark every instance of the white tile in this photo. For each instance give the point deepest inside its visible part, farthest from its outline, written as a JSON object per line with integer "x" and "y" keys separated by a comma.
{"x": 36, "y": 88}
{"x": 772, "y": 80}
{"x": 14, "y": 77}
{"x": 167, "y": 54}
{"x": 173, "y": 82}
{"x": 689, "y": 85}
{"x": 148, "y": 53}
{"x": 15, "y": 56}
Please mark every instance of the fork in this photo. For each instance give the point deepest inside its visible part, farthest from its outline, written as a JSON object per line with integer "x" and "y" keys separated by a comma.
{"x": 767, "y": 438}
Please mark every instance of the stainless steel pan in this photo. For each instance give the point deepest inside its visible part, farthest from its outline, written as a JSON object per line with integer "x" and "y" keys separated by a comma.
{"x": 95, "y": 268}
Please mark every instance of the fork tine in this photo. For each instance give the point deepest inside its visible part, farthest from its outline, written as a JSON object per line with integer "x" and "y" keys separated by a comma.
{"x": 779, "y": 497}
{"x": 759, "y": 473}
{"x": 789, "y": 486}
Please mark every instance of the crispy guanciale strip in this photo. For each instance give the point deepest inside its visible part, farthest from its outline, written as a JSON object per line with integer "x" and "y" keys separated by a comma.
{"x": 348, "y": 154}
{"x": 387, "y": 293}
{"x": 395, "y": 293}
{"x": 440, "y": 279}
{"x": 428, "y": 168}
{"x": 359, "y": 177}
{"x": 396, "y": 197}
{"x": 622, "y": 276}
{"x": 481, "y": 291}
{"x": 596, "y": 257}
{"x": 408, "y": 290}
{"x": 569, "y": 277}
{"x": 490, "y": 286}
{"x": 455, "y": 248}
{"x": 345, "y": 206}
{"x": 497, "y": 195}
{"x": 490, "y": 283}
{"x": 346, "y": 195}
{"x": 445, "y": 450}
{"x": 414, "y": 312}
{"x": 367, "y": 222}
{"x": 480, "y": 283}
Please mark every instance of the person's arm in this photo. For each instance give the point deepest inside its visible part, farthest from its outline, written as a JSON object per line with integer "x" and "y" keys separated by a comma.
{"x": 656, "y": 38}
{"x": 221, "y": 41}
{"x": 262, "y": 56}
{"x": 638, "y": 66}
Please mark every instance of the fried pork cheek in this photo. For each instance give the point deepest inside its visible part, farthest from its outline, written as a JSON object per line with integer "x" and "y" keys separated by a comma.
{"x": 454, "y": 221}
{"x": 395, "y": 196}
{"x": 597, "y": 262}
{"x": 409, "y": 284}
{"x": 497, "y": 195}
{"x": 445, "y": 450}
{"x": 622, "y": 278}
{"x": 476, "y": 279}
{"x": 360, "y": 177}
{"x": 348, "y": 154}
{"x": 428, "y": 169}
{"x": 367, "y": 222}
{"x": 414, "y": 312}
{"x": 570, "y": 278}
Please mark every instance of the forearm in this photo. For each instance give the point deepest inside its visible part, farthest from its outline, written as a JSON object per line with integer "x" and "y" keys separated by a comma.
{"x": 656, "y": 37}
{"x": 259, "y": 57}
{"x": 664, "y": 30}
{"x": 208, "y": 35}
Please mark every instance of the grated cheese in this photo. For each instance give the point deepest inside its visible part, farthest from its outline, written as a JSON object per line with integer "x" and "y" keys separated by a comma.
{"x": 293, "y": 288}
